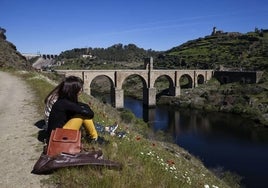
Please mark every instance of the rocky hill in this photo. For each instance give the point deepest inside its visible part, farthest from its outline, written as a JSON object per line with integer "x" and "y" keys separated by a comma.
{"x": 9, "y": 56}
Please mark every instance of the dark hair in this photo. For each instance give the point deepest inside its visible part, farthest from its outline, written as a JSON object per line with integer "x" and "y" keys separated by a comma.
{"x": 71, "y": 87}
{"x": 67, "y": 89}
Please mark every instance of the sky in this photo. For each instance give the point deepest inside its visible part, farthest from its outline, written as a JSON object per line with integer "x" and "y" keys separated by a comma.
{"x": 53, "y": 26}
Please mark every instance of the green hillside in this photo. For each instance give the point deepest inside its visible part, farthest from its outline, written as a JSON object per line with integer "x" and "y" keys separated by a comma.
{"x": 232, "y": 50}
{"x": 117, "y": 56}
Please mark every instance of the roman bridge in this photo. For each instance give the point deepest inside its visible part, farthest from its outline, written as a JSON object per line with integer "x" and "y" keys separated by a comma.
{"x": 148, "y": 76}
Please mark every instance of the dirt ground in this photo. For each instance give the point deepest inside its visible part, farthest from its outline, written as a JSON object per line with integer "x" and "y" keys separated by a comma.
{"x": 18, "y": 142}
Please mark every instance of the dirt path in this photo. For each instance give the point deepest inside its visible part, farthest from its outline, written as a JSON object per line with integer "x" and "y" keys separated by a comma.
{"x": 17, "y": 141}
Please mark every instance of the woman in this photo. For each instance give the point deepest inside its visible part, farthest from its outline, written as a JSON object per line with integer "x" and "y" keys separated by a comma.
{"x": 64, "y": 111}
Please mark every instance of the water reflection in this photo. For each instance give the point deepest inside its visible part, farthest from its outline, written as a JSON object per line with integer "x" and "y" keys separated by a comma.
{"x": 181, "y": 121}
{"x": 219, "y": 140}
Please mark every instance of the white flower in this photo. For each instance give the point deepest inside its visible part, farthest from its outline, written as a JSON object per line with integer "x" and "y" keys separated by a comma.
{"x": 206, "y": 186}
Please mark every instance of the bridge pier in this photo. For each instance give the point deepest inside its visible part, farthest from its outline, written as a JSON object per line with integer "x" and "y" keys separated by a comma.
{"x": 149, "y": 97}
{"x": 118, "y": 98}
{"x": 175, "y": 91}
{"x": 86, "y": 87}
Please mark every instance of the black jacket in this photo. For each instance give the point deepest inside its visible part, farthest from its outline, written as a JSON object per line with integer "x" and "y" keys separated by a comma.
{"x": 63, "y": 110}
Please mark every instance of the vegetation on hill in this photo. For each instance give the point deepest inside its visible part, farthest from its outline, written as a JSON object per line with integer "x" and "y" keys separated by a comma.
{"x": 116, "y": 56}
{"x": 232, "y": 50}
{"x": 9, "y": 56}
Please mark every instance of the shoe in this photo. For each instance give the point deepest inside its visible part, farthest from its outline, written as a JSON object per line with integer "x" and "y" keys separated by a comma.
{"x": 112, "y": 128}
{"x": 100, "y": 140}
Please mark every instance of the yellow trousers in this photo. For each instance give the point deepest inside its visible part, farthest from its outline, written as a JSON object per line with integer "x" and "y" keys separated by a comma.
{"x": 76, "y": 123}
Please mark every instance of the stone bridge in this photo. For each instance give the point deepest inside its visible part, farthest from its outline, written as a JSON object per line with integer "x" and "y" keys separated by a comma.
{"x": 148, "y": 76}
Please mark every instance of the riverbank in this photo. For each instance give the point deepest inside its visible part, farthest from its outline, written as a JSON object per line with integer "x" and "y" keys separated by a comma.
{"x": 247, "y": 100}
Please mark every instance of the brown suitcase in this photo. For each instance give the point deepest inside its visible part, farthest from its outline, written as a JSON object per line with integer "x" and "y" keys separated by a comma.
{"x": 64, "y": 141}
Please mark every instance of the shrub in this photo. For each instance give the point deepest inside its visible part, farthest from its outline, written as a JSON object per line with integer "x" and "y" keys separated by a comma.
{"x": 127, "y": 116}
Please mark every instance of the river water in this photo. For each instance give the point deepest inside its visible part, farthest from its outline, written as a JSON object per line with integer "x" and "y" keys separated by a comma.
{"x": 222, "y": 141}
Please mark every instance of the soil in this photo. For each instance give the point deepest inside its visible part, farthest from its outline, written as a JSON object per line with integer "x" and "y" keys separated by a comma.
{"x": 20, "y": 147}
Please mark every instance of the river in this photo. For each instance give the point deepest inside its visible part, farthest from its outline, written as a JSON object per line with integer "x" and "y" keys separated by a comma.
{"x": 222, "y": 141}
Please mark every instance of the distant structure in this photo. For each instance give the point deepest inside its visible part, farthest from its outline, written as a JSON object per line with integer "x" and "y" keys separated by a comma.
{"x": 30, "y": 55}
{"x": 2, "y": 30}
{"x": 2, "y": 33}
{"x": 215, "y": 31}
{"x": 89, "y": 56}
{"x": 45, "y": 56}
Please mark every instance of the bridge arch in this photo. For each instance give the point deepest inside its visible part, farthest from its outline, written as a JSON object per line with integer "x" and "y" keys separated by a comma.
{"x": 166, "y": 89}
{"x": 121, "y": 76}
{"x": 135, "y": 80}
{"x": 98, "y": 82}
{"x": 89, "y": 76}
{"x": 200, "y": 79}
{"x": 131, "y": 76}
{"x": 170, "y": 80}
{"x": 186, "y": 81}
{"x": 95, "y": 79}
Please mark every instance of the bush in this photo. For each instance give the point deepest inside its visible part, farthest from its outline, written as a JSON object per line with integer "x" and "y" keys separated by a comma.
{"x": 127, "y": 116}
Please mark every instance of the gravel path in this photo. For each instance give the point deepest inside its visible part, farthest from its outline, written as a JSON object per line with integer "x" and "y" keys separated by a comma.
{"x": 18, "y": 142}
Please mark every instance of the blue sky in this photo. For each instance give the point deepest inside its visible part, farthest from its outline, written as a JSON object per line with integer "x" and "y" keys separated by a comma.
{"x": 53, "y": 26}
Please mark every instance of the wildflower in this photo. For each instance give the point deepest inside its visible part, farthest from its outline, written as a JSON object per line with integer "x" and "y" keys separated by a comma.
{"x": 170, "y": 162}
{"x": 172, "y": 168}
{"x": 189, "y": 180}
{"x": 214, "y": 186}
{"x": 206, "y": 186}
